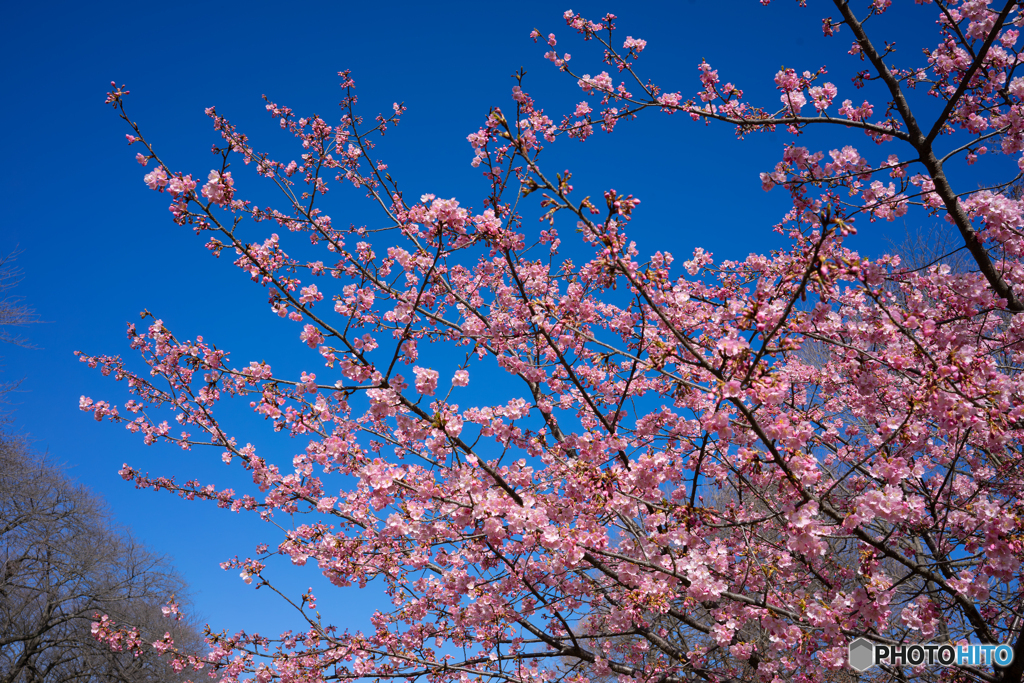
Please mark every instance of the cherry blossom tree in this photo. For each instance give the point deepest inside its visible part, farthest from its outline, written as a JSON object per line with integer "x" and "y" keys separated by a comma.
{"x": 706, "y": 470}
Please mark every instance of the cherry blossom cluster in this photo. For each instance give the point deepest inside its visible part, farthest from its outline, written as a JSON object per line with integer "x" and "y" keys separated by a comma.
{"x": 676, "y": 469}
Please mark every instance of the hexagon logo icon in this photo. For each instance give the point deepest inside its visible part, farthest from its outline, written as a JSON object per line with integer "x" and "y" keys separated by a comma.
{"x": 862, "y": 654}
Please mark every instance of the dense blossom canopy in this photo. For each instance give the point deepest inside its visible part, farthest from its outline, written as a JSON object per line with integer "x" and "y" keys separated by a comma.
{"x": 709, "y": 471}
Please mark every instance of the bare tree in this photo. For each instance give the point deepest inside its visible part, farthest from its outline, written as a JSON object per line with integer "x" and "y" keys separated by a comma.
{"x": 62, "y": 564}
{"x": 14, "y": 313}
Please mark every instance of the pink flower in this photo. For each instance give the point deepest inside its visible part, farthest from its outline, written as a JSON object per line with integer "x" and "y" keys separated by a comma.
{"x": 602, "y": 82}
{"x": 669, "y": 100}
{"x": 426, "y": 380}
{"x": 708, "y": 76}
{"x": 742, "y": 650}
{"x": 312, "y": 336}
{"x": 311, "y": 295}
{"x": 156, "y": 179}
{"x": 856, "y": 114}
{"x": 787, "y": 80}
{"x": 181, "y": 185}
{"x": 1017, "y": 87}
{"x": 635, "y": 44}
{"x": 609, "y": 117}
{"x": 822, "y": 96}
{"x": 794, "y": 101}
{"x": 220, "y": 188}
{"x": 461, "y": 378}
{"x": 552, "y": 57}
{"x": 733, "y": 345}
{"x": 171, "y": 609}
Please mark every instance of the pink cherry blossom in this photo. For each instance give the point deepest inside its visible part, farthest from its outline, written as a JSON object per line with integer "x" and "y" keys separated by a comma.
{"x": 219, "y": 187}
{"x": 312, "y": 336}
{"x": 156, "y": 179}
{"x": 666, "y": 469}
{"x": 426, "y": 380}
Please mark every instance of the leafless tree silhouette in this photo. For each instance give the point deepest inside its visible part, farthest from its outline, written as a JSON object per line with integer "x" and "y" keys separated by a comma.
{"x": 62, "y": 563}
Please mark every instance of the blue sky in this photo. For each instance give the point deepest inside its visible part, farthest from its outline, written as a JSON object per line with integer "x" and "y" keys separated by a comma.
{"x": 98, "y": 247}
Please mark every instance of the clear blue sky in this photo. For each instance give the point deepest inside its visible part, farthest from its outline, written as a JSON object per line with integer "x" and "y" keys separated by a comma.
{"x": 98, "y": 247}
